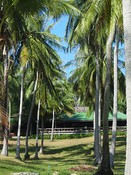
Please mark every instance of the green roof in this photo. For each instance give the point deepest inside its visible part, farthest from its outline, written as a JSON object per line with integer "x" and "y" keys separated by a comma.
{"x": 120, "y": 116}
{"x": 82, "y": 116}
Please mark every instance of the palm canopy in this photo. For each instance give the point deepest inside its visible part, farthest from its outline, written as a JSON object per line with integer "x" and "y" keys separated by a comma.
{"x": 97, "y": 17}
{"x": 61, "y": 101}
{"x": 12, "y": 11}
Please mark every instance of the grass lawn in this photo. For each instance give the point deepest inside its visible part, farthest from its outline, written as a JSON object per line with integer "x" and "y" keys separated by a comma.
{"x": 66, "y": 156}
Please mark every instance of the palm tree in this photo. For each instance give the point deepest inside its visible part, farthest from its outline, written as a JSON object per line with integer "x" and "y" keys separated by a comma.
{"x": 47, "y": 67}
{"x": 97, "y": 114}
{"x": 53, "y": 122}
{"x": 30, "y": 115}
{"x": 37, "y": 130}
{"x": 63, "y": 102}
{"x": 105, "y": 165}
{"x": 20, "y": 116}
{"x": 5, "y": 57}
{"x": 24, "y": 58}
{"x": 85, "y": 84}
{"x": 127, "y": 42}
{"x": 114, "y": 125}
{"x": 44, "y": 105}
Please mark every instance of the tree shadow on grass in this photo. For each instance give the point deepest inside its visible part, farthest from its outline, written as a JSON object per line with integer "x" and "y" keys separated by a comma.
{"x": 70, "y": 154}
{"x": 120, "y": 156}
{"x": 53, "y": 150}
{"x": 13, "y": 166}
{"x": 74, "y": 150}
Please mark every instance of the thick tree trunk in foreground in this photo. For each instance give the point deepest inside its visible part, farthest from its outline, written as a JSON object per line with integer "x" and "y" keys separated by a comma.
{"x": 105, "y": 168}
{"x": 99, "y": 124}
{"x": 5, "y": 129}
{"x": 97, "y": 128}
{"x": 114, "y": 124}
{"x": 127, "y": 42}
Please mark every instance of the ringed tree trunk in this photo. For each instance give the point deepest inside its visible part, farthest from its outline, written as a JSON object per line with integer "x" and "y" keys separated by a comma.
{"x": 114, "y": 124}
{"x": 52, "y": 131}
{"x": 9, "y": 115}
{"x": 20, "y": 115}
{"x": 42, "y": 125}
{"x": 27, "y": 156}
{"x": 96, "y": 127}
{"x": 37, "y": 130}
{"x": 5, "y": 129}
{"x": 127, "y": 42}
{"x": 42, "y": 136}
{"x": 105, "y": 168}
{"x": 99, "y": 124}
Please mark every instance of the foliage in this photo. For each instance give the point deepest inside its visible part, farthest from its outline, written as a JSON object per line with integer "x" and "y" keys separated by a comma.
{"x": 64, "y": 136}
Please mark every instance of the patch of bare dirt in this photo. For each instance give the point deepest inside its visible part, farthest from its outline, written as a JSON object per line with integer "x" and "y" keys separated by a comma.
{"x": 81, "y": 168}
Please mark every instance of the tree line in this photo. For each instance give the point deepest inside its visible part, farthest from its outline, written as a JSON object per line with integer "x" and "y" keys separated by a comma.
{"x": 31, "y": 65}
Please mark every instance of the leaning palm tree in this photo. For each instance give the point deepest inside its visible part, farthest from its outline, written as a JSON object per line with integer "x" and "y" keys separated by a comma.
{"x": 30, "y": 114}
{"x": 23, "y": 60}
{"x": 47, "y": 63}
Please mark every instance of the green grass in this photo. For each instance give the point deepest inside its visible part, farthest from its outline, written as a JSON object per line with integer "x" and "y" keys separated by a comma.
{"x": 66, "y": 156}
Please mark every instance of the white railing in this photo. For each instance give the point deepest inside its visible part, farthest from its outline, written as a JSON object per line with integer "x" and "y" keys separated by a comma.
{"x": 65, "y": 130}
{"x": 77, "y": 130}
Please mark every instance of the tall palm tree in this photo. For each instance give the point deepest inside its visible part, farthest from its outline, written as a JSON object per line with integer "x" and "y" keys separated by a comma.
{"x": 97, "y": 114}
{"x": 127, "y": 42}
{"x": 30, "y": 115}
{"x": 20, "y": 115}
{"x": 105, "y": 165}
{"x": 114, "y": 125}
{"x": 23, "y": 60}
{"x": 37, "y": 129}
{"x": 47, "y": 63}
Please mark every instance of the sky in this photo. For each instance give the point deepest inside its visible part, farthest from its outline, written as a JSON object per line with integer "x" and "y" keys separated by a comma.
{"x": 59, "y": 30}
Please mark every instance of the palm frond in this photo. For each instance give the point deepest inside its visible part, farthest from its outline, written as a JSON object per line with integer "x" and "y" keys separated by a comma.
{"x": 4, "y": 117}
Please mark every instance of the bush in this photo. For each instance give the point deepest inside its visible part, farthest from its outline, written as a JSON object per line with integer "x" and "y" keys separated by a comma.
{"x": 64, "y": 136}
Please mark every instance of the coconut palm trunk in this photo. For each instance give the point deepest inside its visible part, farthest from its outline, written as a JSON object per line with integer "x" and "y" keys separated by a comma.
{"x": 9, "y": 115}
{"x": 127, "y": 42}
{"x": 42, "y": 136}
{"x": 52, "y": 131}
{"x": 20, "y": 115}
{"x": 96, "y": 128}
{"x": 27, "y": 156}
{"x": 99, "y": 124}
{"x": 105, "y": 168}
{"x": 5, "y": 129}
{"x": 114, "y": 123}
{"x": 37, "y": 130}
